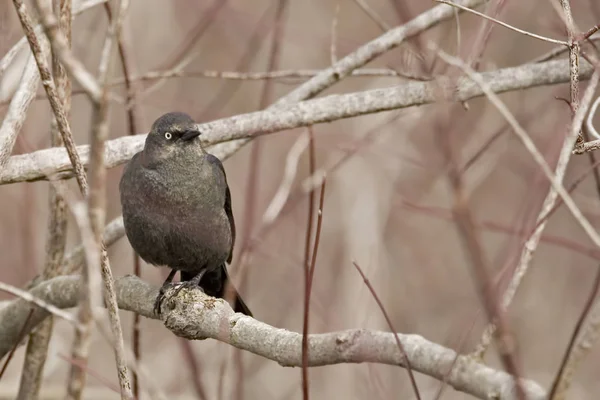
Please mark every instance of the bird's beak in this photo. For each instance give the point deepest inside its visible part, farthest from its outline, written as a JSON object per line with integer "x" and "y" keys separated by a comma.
{"x": 189, "y": 135}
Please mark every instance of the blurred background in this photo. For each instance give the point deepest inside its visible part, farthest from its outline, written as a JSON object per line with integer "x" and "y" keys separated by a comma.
{"x": 387, "y": 202}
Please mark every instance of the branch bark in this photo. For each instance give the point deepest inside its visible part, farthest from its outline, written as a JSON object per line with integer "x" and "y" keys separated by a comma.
{"x": 38, "y": 165}
{"x": 195, "y": 316}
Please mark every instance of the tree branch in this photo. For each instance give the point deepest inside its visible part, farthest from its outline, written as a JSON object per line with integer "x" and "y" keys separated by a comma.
{"x": 195, "y": 316}
{"x": 38, "y": 165}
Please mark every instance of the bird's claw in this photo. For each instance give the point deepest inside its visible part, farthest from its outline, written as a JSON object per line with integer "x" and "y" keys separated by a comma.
{"x": 178, "y": 286}
{"x": 187, "y": 284}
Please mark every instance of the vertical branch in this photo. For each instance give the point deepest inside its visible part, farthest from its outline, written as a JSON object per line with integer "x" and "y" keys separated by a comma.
{"x": 37, "y": 347}
{"x": 127, "y": 66}
{"x": 309, "y": 222}
{"x": 574, "y": 49}
{"x": 308, "y": 280}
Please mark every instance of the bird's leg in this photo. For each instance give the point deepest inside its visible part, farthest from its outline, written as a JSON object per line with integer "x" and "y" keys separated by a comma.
{"x": 163, "y": 289}
{"x": 192, "y": 283}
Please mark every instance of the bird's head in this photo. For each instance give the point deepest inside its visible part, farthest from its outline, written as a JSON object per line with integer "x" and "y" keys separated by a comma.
{"x": 171, "y": 134}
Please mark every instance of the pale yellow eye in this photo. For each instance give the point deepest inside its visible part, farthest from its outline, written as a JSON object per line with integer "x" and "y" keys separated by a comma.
{"x": 168, "y": 135}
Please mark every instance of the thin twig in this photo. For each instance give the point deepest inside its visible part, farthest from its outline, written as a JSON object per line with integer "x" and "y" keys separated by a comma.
{"x": 307, "y": 266}
{"x": 401, "y": 348}
{"x": 533, "y": 35}
{"x": 39, "y": 302}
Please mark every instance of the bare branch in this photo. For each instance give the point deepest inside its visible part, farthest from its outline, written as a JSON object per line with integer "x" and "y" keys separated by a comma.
{"x": 193, "y": 319}
{"x": 39, "y": 164}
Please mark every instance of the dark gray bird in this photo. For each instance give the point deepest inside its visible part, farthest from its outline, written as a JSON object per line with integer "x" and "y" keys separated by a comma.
{"x": 177, "y": 208}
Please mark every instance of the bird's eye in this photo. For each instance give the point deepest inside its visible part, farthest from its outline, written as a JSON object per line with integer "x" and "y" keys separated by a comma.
{"x": 168, "y": 135}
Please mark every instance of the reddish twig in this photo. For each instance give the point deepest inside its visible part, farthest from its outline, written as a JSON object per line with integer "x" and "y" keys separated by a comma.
{"x": 484, "y": 284}
{"x": 307, "y": 267}
{"x": 411, "y": 376}
{"x": 308, "y": 280}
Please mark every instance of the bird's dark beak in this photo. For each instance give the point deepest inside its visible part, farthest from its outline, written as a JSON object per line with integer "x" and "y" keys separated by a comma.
{"x": 189, "y": 135}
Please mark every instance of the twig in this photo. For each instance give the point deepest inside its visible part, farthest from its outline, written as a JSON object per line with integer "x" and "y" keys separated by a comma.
{"x": 309, "y": 264}
{"x": 192, "y": 319}
{"x": 401, "y": 348}
{"x": 574, "y": 48}
{"x": 557, "y": 51}
{"x": 504, "y": 24}
{"x": 39, "y": 302}
{"x": 373, "y": 15}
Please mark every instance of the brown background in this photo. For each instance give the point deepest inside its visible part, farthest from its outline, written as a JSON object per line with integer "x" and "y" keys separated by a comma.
{"x": 412, "y": 255}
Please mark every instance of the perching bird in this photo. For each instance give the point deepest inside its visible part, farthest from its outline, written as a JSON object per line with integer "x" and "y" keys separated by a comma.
{"x": 177, "y": 208}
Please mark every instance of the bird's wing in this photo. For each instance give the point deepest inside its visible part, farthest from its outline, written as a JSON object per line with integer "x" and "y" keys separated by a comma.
{"x": 214, "y": 160}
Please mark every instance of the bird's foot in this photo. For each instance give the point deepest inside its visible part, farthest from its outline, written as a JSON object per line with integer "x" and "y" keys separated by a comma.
{"x": 160, "y": 298}
{"x": 188, "y": 285}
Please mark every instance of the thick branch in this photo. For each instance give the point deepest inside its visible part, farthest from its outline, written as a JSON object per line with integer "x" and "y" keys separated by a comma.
{"x": 193, "y": 315}
{"x": 39, "y": 164}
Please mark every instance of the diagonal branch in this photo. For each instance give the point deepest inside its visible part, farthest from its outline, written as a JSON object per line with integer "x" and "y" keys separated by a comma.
{"x": 39, "y": 164}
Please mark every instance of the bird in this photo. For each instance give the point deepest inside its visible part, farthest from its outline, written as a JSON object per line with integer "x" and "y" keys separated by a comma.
{"x": 177, "y": 209}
